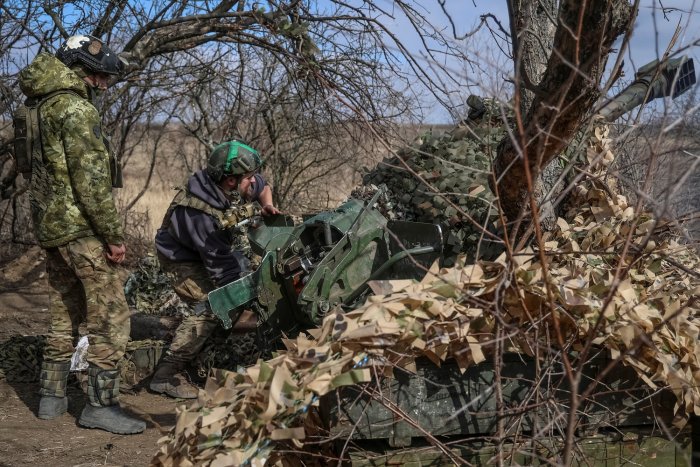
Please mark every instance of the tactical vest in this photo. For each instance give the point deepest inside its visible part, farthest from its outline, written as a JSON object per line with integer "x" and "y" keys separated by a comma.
{"x": 27, "y": 137}
{"x": 27, "y": 129}
{"x": 224, "y": 218}
{"x": 185, "y": 199}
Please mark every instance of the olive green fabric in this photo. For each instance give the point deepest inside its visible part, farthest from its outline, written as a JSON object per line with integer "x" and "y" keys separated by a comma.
{"x": 103, "y": 387}
{"x": 85, "y": 287}
{"x": 189, "y": 279}
{"x": 190, "y": 337}
{"x": 191, "y": 283}
{"x": 71, "y": 187}
{"x": 54, "y": 378}
{"x": 185, "y": 199}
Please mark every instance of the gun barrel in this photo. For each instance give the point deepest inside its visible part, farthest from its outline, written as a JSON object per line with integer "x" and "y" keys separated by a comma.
{"x": 630, "y": 98}
{"x": 669, "y": 78}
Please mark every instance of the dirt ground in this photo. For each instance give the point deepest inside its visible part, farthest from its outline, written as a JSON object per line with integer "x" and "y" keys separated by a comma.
{"x": 25, "y": 439}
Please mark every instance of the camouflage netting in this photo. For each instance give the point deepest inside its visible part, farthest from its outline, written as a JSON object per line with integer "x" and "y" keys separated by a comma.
{"x": 228, "y": 351}
{"x": 609, "y": 275}
{"x": 444, "y": 178}
{"x": 148, "y": 290}
{"x": 20, "y": 358}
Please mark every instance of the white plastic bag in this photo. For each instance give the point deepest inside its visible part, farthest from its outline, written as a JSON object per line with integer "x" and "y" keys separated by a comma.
{"x": 78, "y": 362}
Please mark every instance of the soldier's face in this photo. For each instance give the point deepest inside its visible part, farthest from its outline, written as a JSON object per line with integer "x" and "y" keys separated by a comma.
{"x": 98, "y": 80}
{"x": 245, "y": 187}
{"x": 242, "y": 184}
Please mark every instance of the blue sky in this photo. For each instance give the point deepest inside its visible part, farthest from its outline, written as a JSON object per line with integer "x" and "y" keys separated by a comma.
{"x": 650, "y": 25}
{"x": 652, "y": 33}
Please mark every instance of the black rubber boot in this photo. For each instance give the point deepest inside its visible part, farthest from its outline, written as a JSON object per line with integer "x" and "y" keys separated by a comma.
{"x": 168, "y": 379}
{"x": 102, "y": 410}
{"x": 53, "y": 382}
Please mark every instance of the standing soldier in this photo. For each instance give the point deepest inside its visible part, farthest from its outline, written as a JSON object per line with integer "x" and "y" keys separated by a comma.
{"x": 76, "y": 222}
{"x": 198, "y": 254}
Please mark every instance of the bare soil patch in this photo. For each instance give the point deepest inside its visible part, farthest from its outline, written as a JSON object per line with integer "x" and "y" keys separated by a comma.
{"x": 26, "y": 440}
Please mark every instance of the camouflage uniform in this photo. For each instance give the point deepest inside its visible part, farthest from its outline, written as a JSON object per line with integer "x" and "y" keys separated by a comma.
{"x": 75, "y": 216}
{"x": 197, "y": 251}
{"x": 192, "y": 283}
{"x": 84, "y": 287}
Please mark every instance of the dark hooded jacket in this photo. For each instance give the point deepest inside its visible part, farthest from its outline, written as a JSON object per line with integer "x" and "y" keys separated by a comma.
{"x": 190, "y": 234}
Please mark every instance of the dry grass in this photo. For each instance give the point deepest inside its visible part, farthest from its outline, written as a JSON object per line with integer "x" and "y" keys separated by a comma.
{"x": 664, "y": 171}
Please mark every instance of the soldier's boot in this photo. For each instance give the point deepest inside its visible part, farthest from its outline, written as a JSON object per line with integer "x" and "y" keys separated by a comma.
{"x": 169, "y": 379}
{"x": 102, "y": 409}
{"x": 53, "y": 384}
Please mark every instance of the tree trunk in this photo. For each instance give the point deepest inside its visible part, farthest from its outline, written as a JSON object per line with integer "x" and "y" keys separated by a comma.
{"x": 568, "y": 89}
{"x": 533, "y": 26}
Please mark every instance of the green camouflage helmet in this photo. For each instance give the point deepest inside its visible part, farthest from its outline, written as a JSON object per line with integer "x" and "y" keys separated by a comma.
{"x": 232, "y": 158}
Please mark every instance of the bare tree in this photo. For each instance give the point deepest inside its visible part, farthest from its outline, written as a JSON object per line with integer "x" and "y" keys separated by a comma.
{"x": 563, "y": 97}
{"x": 338, "y": 69}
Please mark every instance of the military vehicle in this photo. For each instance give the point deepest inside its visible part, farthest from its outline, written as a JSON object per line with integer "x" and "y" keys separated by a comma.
{"x": 325, "y": 264}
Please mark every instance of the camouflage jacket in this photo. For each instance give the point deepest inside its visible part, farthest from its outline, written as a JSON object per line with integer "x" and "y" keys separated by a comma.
{"x": 71, "y": 188}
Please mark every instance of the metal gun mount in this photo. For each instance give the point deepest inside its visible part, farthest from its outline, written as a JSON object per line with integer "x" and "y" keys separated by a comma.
{"x": 325, "y": 263}
{"x": 669, "y": 78}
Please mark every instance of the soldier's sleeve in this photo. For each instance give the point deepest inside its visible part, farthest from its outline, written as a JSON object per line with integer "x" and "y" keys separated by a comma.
{"x": 88, "y": 166}
{"x": 258, "y": 187}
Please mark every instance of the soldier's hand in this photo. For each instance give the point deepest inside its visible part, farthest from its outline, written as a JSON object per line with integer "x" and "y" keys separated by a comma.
{"x": 269, "y": 210}
{"x": 116, "y": 253}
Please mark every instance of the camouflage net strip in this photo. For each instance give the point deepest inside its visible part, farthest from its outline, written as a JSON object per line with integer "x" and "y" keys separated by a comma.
{"x": 148, "y": 290}
{"x": 606, "y": 264}
{"x": 21, "y": 357}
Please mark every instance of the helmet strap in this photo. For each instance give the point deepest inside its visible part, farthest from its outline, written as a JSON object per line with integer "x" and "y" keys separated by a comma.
{"x": 80, "y": 71}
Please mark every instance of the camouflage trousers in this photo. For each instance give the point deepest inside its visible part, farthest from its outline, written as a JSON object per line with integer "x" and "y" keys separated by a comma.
{"x": 85, "y": 288}
{"x": 191, "y": 283}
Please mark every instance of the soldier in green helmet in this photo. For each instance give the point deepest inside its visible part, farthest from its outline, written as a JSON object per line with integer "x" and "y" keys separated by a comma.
{"x": 77, "y": 224}
{"x": 196, "y": 250}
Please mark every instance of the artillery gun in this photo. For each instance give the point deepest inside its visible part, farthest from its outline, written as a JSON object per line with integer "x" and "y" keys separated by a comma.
{"x": 326, "y": 263}
{"x": 328, "y": 260}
